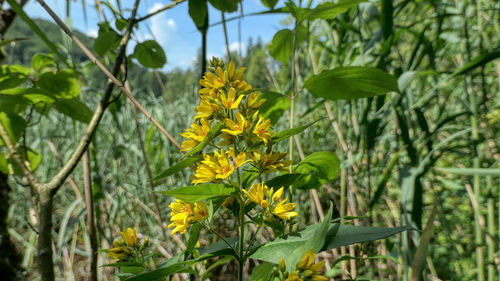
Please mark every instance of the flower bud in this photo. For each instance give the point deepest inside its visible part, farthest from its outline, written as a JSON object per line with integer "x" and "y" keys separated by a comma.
{"x": 282, "y": 265}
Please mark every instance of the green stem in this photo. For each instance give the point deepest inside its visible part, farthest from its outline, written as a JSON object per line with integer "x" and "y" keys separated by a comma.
{"x": 241, "y": 257}
{"x": 218, "y": 235}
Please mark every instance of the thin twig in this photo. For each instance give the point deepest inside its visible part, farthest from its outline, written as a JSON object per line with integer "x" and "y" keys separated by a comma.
{"x": 106, "y": 71}
{"x": 162, "y": 9}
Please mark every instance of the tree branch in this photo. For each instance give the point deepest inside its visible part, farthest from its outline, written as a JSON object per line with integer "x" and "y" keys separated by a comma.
{"x": 164, "y": 8}
{"x": 111, "y": 76}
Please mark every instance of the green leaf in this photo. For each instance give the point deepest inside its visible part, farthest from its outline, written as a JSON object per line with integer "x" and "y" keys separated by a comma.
{"x": 188, "y": 162}
{"x": 269, "y": 3}
{"x": 477, "y": 61}
{"x": 13, "y": 104}
{"x": 318, "y": 168}
{"x": 353, "y": 82}
{"x": 343, "y": 235}
{"x": 285, "y": 246}
{"x": 196, "y": 193}
{"x": 285, "y": 134}
{"x": 14, "y": 124}
{"x": 9, "y": 166}
{"x": 198, "y": 11}
{"x": 75, "y": 109}
{"x": 338, "y": 235}
{"x": 12, "y": 76}
{"x": 327, "y": 10}
{"x": 320, "y": 233}
{"x": 385, "y": 178}
{"x": 275, "y": 106}
{"x": 221, "y": 261}
{"x": 386, "y": 18}
{"x": 470, "y": 171}
{"x": 249, "y": 176}
{"x": 214, "y": 131}
{"x": 107, "y": 39}
{"x": 161, "y": 272}
{"x": 40, "y": 61}
{"x": 219, "y": 248}
{"x": 281, "y": 46}
{"x": 62, "y": 84}
{"x": 194, "y": 233}
{"x": 225, "y": 5}
{"x": 150, "y": 54}
{"x": 284, "y": 180}
{"x": 120, "y": 24}
{"x": 262, "y": 272}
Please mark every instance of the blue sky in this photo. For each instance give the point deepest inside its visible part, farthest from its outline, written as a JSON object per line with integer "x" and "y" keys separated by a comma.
{"x": 174, "y": 29}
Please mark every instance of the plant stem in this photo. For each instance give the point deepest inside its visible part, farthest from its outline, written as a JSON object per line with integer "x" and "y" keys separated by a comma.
{"x": 220, "y": 236}
{"x": 241, "y": 259}
{"x": 87, "y": 182}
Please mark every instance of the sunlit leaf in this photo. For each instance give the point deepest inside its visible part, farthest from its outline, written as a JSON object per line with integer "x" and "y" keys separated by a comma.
{"x": 150, "y": 54}
{"x": 318, "y": 168}
{"x": 353, "y": 82}
{"x": 200, "y": 192}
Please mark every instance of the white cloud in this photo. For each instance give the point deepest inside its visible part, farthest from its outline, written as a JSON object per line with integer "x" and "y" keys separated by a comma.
{"x": 163, "y": 28}
{"x": 235, "y": 47}
{"x": 92, "y": 32}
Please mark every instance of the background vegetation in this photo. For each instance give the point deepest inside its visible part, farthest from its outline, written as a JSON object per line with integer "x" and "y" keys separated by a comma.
{"x": 426, "y": 156}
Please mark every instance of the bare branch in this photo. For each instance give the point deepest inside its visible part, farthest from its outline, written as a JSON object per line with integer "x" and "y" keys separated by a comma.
{"x": 164, "y": 8}
{"x": 111, "y": 76}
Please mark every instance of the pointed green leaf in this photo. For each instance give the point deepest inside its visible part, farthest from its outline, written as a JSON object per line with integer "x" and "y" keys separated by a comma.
{"x": 353, "y": 82}
{"x": 14, "y": 124}
{"x": 75, "y": 109}
{"x": 318, "y": 168}
{"x": 62, "y": 84}
{"x": 275, "y": 106}
{"x": 477, "y": 61}
{"x": 200, "y": 192}
{"x": 285, "y": 134}
{"x": 40, "y": 61}
{"x": 12, "y": 76}
{"x": 198, "y": 11}
{"x": 188, "y": 162}
{"x": 328, "y": 10}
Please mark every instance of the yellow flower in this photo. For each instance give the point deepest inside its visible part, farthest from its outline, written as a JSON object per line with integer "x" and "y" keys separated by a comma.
{"x": 205, "y": 109}
{"x": 269, "y": 162}
{"x": 235, "y": 128}
{"x": 217, "y": 166}
{"x": 256, "y": 193}
{"x": 231, "y": 102}
{"x": 211, "y": 80}
{"x": 284, "y": 211}
{"x": 184, "y": 213}
{"x": 195, "y": 134}
{"x": 227, "y": 139}
{"x": 130, "y": 236}
{"x": 261, "y": 129}
{"x": 118, "y": 253}
{"x": 294, "y": 276}
{"x": 253, "y": 100}
{"x": 309, "y": 268}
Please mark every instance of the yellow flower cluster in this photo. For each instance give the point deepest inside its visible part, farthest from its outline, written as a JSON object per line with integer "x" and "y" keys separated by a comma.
{"x": 184, "y": 214}
{"x": 217, "y": 166}
{"x": 306, "y": 269}
{"x": 123, "y": 247}
{"x": 228, "y": 99}
{"x": 270, "y": 202}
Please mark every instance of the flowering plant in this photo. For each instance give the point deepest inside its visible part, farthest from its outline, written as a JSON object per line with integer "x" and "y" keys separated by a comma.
{"x": 232, "y": 150}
